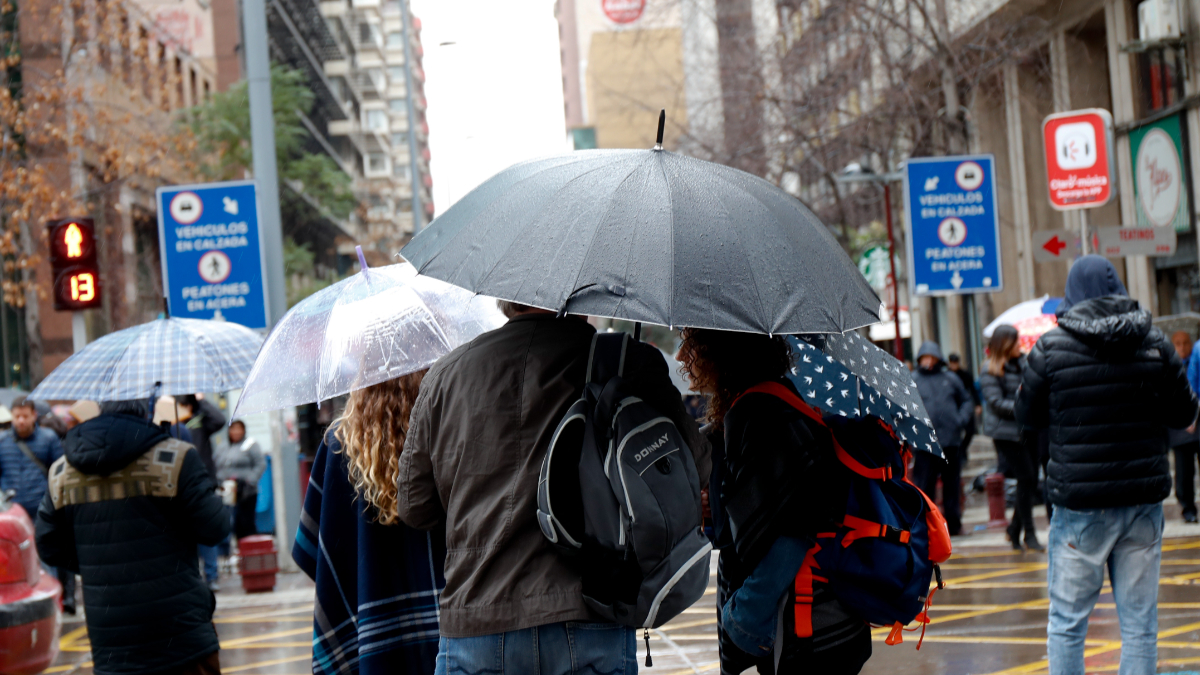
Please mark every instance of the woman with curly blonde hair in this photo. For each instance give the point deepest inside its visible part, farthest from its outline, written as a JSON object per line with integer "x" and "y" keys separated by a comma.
{"x": 378, "y": 580}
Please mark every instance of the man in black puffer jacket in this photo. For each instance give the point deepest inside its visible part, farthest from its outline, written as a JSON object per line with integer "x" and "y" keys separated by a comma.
{"x": 1106, "y": 385}
{"x": 126, "y": 507}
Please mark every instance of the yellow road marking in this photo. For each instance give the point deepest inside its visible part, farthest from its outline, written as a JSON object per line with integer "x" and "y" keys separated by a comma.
{"x": 69, "y": 666}
{"x": 997, "y": 554}
{"x": 1109, "y": 647}
{"x": 263, "y": 664}
{"x": 75, "y": 641}
{"x": 237, "y": 642}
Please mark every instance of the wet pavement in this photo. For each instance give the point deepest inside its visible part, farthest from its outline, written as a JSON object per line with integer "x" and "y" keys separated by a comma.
{"x": 990, "y": 619}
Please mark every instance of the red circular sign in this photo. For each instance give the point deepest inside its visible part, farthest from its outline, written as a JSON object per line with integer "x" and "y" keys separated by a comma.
{"x": 623, "y": 11}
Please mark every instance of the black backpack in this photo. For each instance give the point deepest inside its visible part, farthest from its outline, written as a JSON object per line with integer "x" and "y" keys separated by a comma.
{"x": 619, "y": 493}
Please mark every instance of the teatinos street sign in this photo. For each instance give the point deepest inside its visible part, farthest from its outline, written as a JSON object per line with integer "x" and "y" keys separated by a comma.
{"x": 1115, "y": 242}
{"x": 1080, "y": 162}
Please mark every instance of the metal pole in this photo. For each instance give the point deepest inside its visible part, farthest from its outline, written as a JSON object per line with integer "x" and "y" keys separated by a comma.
{"x": 415, "y": 169}
{"x": 1083, "y": 232}
{"x": 78, "y": 331}
{"x": 898, "y": 344}
{"x": 262, "y": 133}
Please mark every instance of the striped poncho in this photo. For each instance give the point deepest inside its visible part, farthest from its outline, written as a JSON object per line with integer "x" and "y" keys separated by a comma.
{"x": 377, "y": 585}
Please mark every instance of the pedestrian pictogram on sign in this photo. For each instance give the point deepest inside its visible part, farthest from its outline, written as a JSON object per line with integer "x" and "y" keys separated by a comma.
{"x": 1080, "y": 162}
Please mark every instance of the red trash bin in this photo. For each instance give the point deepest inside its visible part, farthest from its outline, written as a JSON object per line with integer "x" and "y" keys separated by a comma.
{"x": 258, "y": 563}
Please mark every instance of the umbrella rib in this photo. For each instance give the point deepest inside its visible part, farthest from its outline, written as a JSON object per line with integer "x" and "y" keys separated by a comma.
{"x": 753, "y": 277}
{"x": 671, "y": 234}
{"x": 529, "y": 223}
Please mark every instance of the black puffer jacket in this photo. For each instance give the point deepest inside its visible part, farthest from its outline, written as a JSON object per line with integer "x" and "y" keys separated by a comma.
{"x": 128, "y": 519}
{"x": 1107, "y": 385}
{"x": 1000, "y": 400}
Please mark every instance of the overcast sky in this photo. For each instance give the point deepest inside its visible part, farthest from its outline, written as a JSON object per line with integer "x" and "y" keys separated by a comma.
{"x": 495, "y": 95}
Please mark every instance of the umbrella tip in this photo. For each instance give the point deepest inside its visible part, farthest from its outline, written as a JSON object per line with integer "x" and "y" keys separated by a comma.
{"x": 662, "y": 123}
{"x": 362, "y": 260}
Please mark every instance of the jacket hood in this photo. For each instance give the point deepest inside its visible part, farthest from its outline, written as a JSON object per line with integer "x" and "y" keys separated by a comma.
{"x": 1112, "y": 322}
{"x": 109, "y": 442}
{"x": 930, "y": 348}
{"x": 1091, "y": 277}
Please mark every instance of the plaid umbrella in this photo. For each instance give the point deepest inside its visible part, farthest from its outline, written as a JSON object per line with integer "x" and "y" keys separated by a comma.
{"x": 165, "y": 356}
{"x": 825, "y": 382}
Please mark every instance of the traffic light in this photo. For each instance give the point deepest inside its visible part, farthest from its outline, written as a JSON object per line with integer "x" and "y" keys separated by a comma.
{"x": 73, "y": 264}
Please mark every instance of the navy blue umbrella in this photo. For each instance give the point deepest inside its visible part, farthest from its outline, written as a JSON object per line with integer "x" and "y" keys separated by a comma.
{"x": 825, "y": 382}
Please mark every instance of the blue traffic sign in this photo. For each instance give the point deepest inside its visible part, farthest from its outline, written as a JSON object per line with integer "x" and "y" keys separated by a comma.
{"x": 954, "y": 233}
{"x": 212, "y": 257}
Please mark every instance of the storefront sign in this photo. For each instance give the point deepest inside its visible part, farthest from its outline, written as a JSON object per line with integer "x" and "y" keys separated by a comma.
{"x": 1159, "y": 178}
{"x": 1079, "y": 158}
{"x": 623, "y": 11}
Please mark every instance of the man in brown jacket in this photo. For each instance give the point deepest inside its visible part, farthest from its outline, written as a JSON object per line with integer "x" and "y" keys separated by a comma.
{"x": 478, "y": 433}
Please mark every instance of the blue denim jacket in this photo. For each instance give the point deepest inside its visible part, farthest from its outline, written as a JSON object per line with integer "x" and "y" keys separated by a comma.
{"x": 750, "y": 615}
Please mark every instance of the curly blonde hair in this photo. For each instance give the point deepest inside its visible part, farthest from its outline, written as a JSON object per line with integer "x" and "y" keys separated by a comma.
{"x": 372, "y": 431}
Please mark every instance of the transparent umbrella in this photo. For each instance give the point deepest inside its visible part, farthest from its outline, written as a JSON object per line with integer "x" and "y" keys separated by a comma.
{"x": 381, "y": 323}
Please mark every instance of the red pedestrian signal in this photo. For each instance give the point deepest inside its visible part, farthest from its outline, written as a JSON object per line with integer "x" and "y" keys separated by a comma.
{"x": 73, "y": 264}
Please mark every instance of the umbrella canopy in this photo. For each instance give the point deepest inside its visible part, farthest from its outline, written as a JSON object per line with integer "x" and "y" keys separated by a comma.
{"x": 1032, "y": 319}
{"x": 834, "y": 377}
{"x": 165, "y": 356}
{"x": 652, "y": 236}
{"x": 378, "y": 325}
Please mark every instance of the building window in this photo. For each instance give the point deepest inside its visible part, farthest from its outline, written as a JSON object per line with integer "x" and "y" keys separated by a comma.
{"x": 399, "y": 139}
{"x": 402, "y": 172}
{"x": 398, "y": 105}
{"x": 403, "y": 205}
{"x": 377, "y": 120}
{"x": 396, "y": 73}
{"x": 377, "y": 164}
{"x": 395, "y": 40}
{"x": 364, "y": 32}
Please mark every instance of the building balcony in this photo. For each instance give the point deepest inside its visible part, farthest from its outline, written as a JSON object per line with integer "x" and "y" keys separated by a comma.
{"x": 344, "y": 127}
{"x": 334, "y": 8}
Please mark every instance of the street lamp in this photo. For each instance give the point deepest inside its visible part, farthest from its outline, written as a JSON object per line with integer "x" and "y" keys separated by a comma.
{"x": 856, "y": 173}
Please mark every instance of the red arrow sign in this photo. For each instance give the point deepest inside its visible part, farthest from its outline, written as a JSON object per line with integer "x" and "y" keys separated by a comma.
{"x": 1055, "y": 246}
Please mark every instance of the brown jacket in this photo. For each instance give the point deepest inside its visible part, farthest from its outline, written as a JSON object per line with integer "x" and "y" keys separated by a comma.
{"x": 479, "y": 430}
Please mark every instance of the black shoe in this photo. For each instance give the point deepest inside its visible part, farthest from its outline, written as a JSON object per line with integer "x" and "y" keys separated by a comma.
{"x": 69, "y": 609}
{"x": 1014, "y": 537}
{"x": 1033, "y": 545}
{"x": 1189, "y": 517}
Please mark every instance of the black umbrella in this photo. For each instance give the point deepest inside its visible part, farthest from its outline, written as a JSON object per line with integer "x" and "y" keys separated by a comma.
{"x": 651, "y": 236}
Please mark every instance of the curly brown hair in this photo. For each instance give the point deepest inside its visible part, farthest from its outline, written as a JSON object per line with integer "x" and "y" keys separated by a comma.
{"x": 372, "y": 431}
{"x": 724, "y": 364}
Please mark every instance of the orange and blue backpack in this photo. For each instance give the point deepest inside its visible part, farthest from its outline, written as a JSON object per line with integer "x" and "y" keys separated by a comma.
{"x": 881, "y": 559}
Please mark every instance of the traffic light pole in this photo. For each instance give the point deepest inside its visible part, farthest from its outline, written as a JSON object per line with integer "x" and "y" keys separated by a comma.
{"x": 286, "y": 470}
{"x": 78, "y": 331}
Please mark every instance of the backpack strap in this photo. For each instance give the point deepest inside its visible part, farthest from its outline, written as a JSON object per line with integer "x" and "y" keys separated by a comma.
{"x": 788, "y": 396}
{"x": 805, "y": 579}
{"x": 606, "y": 359}
{"x": 862, "y": 529}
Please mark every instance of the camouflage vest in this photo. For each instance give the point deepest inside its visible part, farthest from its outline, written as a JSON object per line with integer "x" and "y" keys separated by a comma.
{"x": 154, "y": 474}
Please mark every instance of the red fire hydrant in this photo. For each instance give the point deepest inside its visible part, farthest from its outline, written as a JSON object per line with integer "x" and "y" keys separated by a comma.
{"x": 258, "y": 563}
{"x": 995, "y": 497}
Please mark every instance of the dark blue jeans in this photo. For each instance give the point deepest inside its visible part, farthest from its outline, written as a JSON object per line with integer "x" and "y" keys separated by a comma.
{"x": 552, "y": 649}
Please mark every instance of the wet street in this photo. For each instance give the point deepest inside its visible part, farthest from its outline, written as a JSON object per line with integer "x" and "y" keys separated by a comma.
{"x": 990, "y": 619}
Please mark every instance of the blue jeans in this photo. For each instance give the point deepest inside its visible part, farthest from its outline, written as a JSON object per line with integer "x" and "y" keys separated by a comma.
{"x": 209, "y": 555}
{"x": 552, "y": 649}
{"x": 1128, "y": 540}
